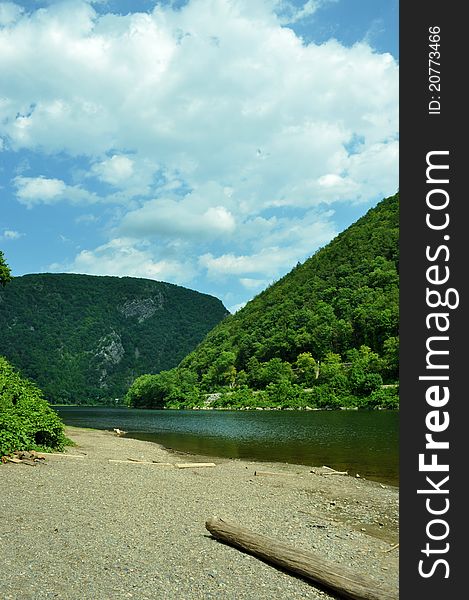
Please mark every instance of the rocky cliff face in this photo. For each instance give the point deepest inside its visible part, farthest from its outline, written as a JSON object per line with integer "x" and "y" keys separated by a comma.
{"x": 142, "y": 308}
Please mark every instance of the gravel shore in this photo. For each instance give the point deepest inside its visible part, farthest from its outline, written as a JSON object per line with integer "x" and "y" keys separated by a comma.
{"x": 79, "y": 527}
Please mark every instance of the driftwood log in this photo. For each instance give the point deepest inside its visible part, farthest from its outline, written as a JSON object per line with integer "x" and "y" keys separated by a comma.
{"x": 342, "y": 580}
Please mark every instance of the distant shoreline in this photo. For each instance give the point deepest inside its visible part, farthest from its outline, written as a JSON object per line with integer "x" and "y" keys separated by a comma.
{"x": 276, "y": 408}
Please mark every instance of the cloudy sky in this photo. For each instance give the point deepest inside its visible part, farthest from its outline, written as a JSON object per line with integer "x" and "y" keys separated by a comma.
{"x": 208, "y": 143}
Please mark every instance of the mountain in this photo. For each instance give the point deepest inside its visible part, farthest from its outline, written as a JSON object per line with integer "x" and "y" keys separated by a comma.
{"x": 83, "y": 339}
{"x": 329, "y": 326}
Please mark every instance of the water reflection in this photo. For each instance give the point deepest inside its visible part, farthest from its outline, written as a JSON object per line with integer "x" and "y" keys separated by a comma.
{"x": 357, "y": 441}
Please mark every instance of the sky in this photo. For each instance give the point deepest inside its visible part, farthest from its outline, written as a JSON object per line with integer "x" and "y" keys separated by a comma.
{"x": 212, "y": 144}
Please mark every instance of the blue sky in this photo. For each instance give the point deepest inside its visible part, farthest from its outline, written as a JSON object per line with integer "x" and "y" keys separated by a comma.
{"x": 208, "y": 143}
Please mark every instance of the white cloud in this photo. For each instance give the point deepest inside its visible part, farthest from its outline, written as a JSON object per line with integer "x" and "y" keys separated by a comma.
{"x": 191, "y": 217}
{"x": 266, "y": 262}
{"x": 31, "y": 191}
{"x": 217, "y": 131}
{"x": 168, "y": 217}
{"x": 122, "y": 257}
{"x": 10, "y": 234}
{"x": 115, "y": 170}
{"x": 280, "y": 245}
{"x": 9, "y": 13}
{"x": 291, "y": 13}
{"x": 253, "y": 284}
{"x": 209, "y": 92}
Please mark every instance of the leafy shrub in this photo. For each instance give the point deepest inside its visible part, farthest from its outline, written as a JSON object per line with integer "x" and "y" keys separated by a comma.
{"x": 26, "y": 420}
{"x": 385, "y": 397}
{"x": 285, "y": 395}
{"x": 240, "y": 398}
{"x": 172, "y": 389}
{"x": 363, "y": 384}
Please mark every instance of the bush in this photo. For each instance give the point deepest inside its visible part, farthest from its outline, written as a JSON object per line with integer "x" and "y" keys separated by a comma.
{"x": 363, "y": 384}
{"x": 172, "y": 389}
{"x": 240, "y": 398}
{"x": 285, "y": 395}
{"x": 385, "y": 397}
{"x": 26, "y": 420}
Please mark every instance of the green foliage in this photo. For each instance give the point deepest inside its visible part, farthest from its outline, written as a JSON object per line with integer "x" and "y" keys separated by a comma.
{"x": 169, "y": 388}
{"x": 5, "y": 274}
{"x": 306, "y": 369}
{"x": 84, "y": 339}
{"x": 260, "y": 375}
{"x": 364, "y": 375}
{"x": 222, "y": 372}
{"x": 26, "y": 420}
{"x": 384, "y": 398}
{"x": 285, "y": 394}
{"x": 324, "y": 336}
{"x": 242, "y": 397}
{"x": 391, "y": 358}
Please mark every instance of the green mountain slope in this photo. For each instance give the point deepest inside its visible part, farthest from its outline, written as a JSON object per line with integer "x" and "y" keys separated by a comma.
{"x": 344, "y": 296}
{"x": 84, "y": 339}
{"x": 330, "y": 326}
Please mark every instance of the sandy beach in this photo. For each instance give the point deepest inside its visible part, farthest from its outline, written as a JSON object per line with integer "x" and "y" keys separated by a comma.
{"x": 84, "y": 527}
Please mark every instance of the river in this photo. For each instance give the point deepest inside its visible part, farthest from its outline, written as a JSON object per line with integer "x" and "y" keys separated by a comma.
{"x": 363, "y": 442}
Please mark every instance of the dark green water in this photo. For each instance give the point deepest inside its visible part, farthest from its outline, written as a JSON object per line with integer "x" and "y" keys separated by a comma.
{"x": 364, "y": 442}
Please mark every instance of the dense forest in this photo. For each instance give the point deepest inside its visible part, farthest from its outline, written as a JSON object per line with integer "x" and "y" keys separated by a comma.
{"x": 325, "y": 335}
{"x": 84, "y": 339}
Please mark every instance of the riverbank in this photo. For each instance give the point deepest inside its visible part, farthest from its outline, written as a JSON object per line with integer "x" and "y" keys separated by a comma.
{"x": 81, "y": 527}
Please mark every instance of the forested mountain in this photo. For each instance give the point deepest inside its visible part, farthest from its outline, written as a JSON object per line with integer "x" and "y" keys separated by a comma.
{"x": 83, "y": 339}
{"x": 330, "y": 326}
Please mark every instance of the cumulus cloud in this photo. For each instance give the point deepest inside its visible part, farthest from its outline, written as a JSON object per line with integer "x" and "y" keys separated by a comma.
{"x": 178, "y": 218}
{"x": 9, "y": 13}
{"x": 114, "y": 170}
{"x": 253, "y": 284}
{"x": 217, "y": 130}
{"x": 10, "y": 234}
{"x": 122, "y": 257}
{"x": 210, "y": 92}
{"x": 266, "y": 262}
{"x": 42, "y": 190}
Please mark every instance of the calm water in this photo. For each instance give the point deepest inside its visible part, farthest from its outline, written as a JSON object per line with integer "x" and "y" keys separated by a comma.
{"x": 364, "y": 442}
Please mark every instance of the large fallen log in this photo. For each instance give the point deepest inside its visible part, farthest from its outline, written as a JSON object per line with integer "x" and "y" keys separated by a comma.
{"x": 338, "y": 578}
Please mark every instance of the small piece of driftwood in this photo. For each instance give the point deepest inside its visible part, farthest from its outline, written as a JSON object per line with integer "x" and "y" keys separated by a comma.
{"x": 132, "y": 461}
{"x": 331, "y": 470}
{"x": 267, "y": 473}
{"x": 339, "y": 578}
{"x": 391, "y": 548}
{"x": 62, "y": 455}
{"x": 193, "y": 465}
